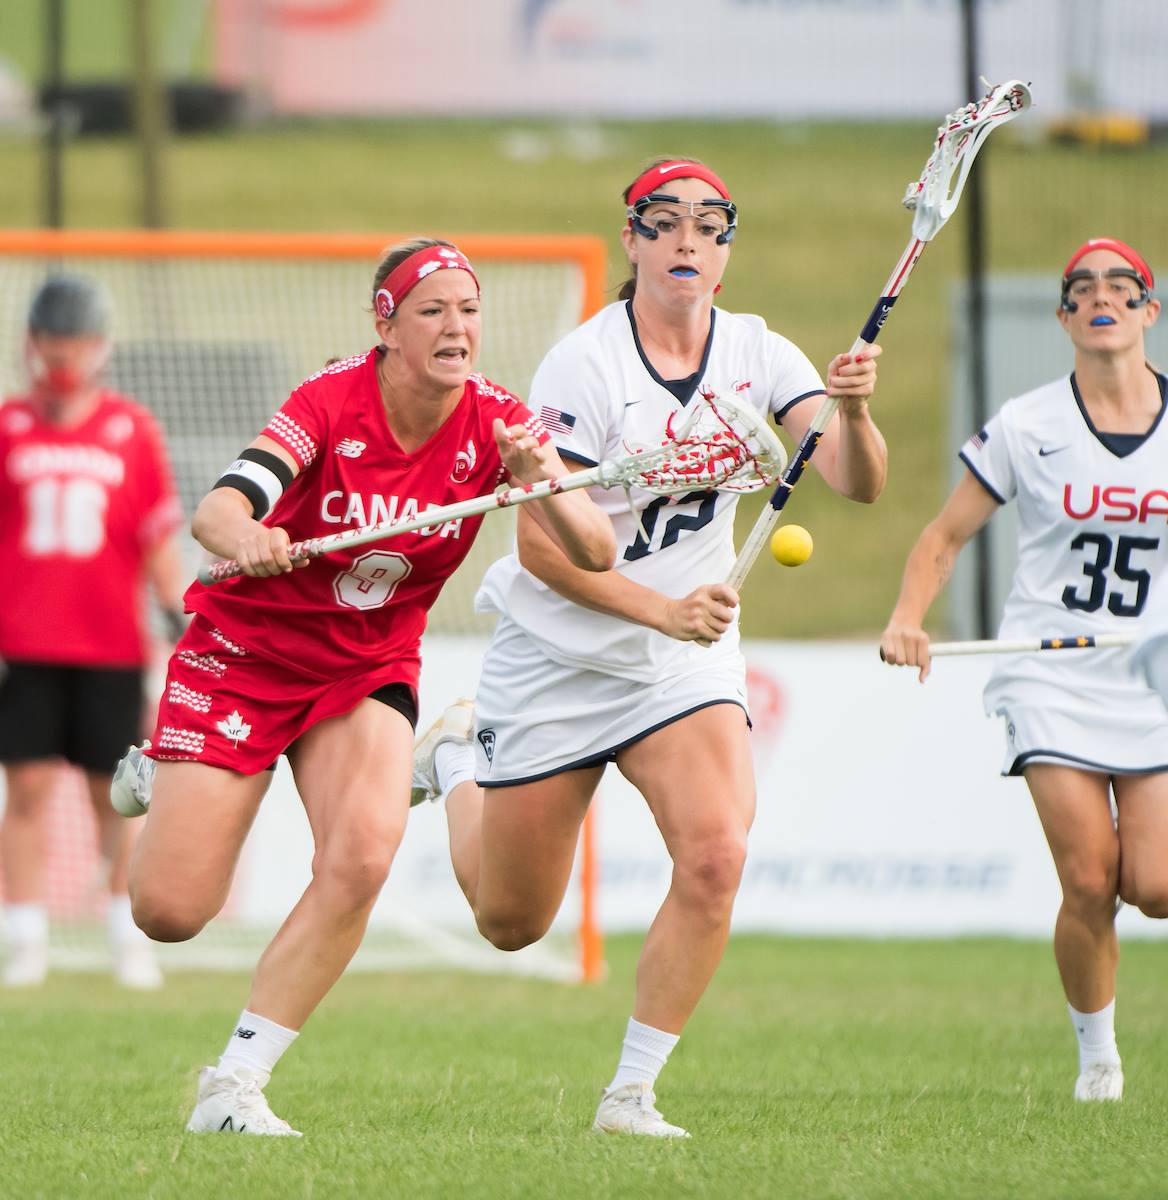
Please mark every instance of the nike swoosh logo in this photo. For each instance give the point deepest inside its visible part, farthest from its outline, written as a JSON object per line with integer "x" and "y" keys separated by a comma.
{"x": 630, "y": 403}
{"x": 1043, "y": 451}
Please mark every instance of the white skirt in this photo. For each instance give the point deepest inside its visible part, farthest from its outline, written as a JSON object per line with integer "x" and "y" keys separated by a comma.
{"x": 535, "y": 717}
{"x": 1109, "y": 740}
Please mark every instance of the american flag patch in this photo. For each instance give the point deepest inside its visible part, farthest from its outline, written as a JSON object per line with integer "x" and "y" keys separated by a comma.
{"x": 556, "y": 419}
{"x": 979, "y": 439}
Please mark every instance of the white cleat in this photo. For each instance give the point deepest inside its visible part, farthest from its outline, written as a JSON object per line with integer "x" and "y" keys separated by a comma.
{"x": 1100, "y": 1081}
{"x": 132, "y": 781}
{"x": 630, "y": 1109}
{"x": 234, "y": 1103}
{"x": 136, "y": 967}
{"x": 456, "y": 724}
{"x": 27, "y": 965}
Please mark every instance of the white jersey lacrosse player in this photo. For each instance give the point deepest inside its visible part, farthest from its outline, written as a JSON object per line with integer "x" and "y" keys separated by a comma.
{"x": 584, "y": 670}
{"x": 544, "y": 641}
{"x": 1085, "y": 458}
{"x": 1092, "y": 559}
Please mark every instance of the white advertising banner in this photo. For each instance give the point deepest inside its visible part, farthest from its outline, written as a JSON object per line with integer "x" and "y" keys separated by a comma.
{"x": 670, "y": 58}
{"x": 880, "y": 812}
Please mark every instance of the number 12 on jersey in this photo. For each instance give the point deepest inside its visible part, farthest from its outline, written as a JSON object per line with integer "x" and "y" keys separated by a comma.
{"x": 675, "y": 526}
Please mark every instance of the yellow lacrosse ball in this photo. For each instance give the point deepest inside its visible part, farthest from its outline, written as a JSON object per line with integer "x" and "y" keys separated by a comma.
{"x": 791, "y": 545}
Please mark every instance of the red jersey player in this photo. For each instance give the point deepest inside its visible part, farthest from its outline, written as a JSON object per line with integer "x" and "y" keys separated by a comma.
{"x": 88, "y": 512}
{"x": 322, "y": 663}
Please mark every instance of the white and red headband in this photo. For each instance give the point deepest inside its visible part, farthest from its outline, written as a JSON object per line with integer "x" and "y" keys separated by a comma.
{"x": 1122, "y": 249}
{"x": 402, "y": 280}
{"x": 650, "y": 181}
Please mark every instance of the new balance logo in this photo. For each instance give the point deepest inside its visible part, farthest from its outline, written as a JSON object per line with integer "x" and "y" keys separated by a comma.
{"x": 487, "y": 741}
{"x": 245, "y": 1033}
{"x": 351, "y": 448}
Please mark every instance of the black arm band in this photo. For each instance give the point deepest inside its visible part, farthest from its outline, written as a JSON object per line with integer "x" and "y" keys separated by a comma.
{"x": 260, "y": 476}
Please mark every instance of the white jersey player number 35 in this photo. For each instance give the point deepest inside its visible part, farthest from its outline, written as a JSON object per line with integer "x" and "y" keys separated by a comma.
{"x": 1095, "y": 568}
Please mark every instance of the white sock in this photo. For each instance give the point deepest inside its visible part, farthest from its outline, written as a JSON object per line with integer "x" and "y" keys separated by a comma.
{"x": 256, "y": 1044}
{"x": 454, "y": 763}
{"x": 26, "y": 924}
{"x": 119, "y": 923}
{"x": 643, "y": 1054}
{"x": 1096, "y": 1034}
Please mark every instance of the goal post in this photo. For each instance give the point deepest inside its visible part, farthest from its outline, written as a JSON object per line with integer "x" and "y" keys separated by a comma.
{"x": 212, "y": 332}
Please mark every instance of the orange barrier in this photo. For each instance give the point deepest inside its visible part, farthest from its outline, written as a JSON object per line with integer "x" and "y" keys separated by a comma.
{"x": 586, "y": 251}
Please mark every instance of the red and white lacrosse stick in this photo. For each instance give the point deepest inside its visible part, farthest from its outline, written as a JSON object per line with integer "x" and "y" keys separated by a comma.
{"x": 932, "y": 199}
{"x": 720, "y": 446}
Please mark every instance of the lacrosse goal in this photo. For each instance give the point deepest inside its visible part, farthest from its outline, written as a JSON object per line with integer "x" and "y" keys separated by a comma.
{"x": 212, "y": 332}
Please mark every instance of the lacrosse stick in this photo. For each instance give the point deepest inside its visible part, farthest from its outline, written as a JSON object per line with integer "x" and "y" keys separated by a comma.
{"x": 1083, "y": 641}
{"x": 720, "y": 446}
{"x": 932, "y": 200}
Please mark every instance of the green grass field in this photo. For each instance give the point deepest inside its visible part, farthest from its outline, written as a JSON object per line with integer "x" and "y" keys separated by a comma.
{"x": 842, "y": 1070}
{"x": 833, "y": 1069}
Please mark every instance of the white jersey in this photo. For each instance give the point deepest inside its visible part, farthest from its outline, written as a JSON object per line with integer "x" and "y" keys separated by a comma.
{"x": 1092, "y": 547}
{"x": 597, "y": 394}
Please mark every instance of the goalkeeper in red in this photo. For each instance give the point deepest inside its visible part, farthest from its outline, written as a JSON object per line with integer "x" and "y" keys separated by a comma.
{"x": 88, "y": 514}
{"x": 322, "y": 663}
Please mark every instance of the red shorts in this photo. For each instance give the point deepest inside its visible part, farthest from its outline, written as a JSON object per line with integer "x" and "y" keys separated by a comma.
{"x": 227, "y": 707}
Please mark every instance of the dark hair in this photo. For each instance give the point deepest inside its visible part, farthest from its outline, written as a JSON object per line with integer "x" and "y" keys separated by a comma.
{"x": 628, "y": 289}
{"x": 71, "y": 306}
{"x": 394, "y": 256}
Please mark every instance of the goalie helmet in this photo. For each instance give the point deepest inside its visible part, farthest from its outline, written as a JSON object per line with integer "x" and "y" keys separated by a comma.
{"x": 71, "y": 306}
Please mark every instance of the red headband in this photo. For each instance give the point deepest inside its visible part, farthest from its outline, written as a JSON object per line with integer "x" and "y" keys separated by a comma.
{"x": 402, "y": 280}
{"x": 1120, "y": 248}
{"x": 650, "y": 180}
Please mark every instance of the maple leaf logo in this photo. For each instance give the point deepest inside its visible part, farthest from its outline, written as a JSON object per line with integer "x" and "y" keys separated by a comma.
{"x": 235, "y": 728}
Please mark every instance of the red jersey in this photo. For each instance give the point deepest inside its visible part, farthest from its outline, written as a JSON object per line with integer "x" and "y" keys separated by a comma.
{"x": 361, "y": 610}
{"x": 81, "y": 509}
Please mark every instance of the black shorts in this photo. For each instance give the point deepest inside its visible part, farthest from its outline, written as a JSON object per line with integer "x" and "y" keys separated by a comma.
{"x": 401, "y": 697}
{"x": 86, "y": 715}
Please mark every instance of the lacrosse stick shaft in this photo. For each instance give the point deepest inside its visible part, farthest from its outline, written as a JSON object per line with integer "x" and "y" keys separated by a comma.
{"x": 432, "y": 518}
{"x": 1081, "y": 642}
{"x": 769, "y": 517}
{"x": 737, "y": 452}
{"x": 933, "y": 199}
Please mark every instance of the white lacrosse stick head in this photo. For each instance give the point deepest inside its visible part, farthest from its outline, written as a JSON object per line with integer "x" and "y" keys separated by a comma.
{"x": 934, "y": 196}
{"x": 718, "y": 444}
